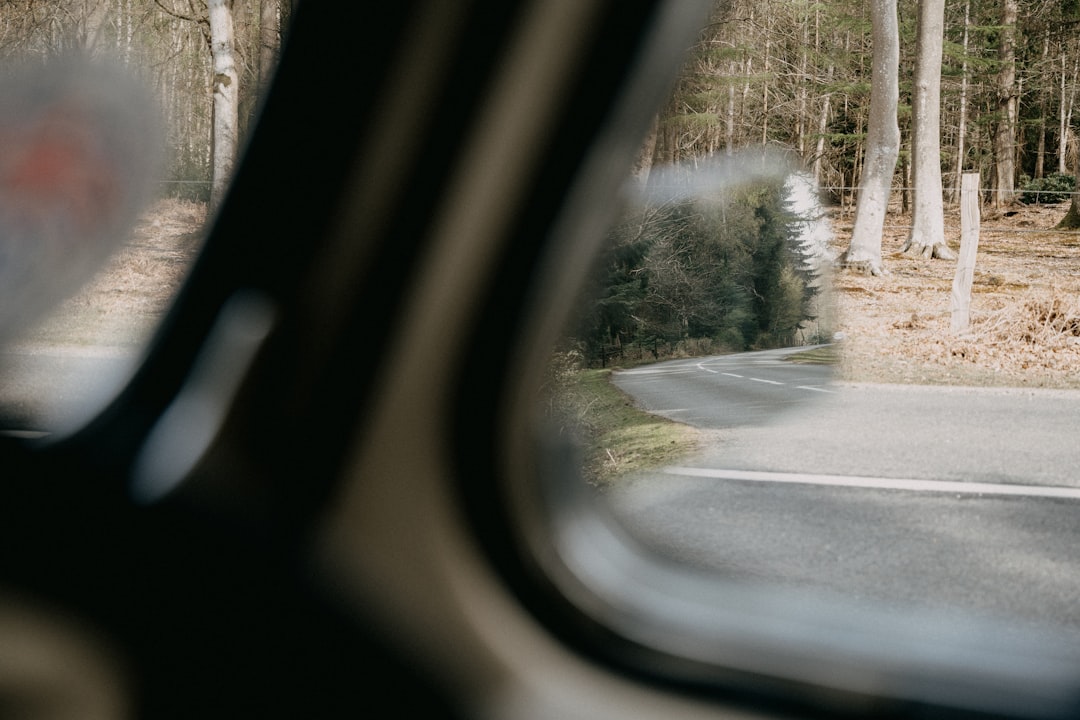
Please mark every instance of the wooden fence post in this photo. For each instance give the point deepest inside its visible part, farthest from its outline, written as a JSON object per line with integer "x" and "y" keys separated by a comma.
{"x": 969, "y": 246}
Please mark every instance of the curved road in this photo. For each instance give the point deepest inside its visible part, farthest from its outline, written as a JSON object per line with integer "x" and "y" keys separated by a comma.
{"x": 754, "y": 387}
{"x": 957, "y": 499}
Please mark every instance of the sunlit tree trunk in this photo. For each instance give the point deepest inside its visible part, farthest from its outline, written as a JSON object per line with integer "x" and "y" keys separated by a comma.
{"x": 1005, "y": 136}
{"x": 927, "y": 237}
{"x": 882, "y": 142}
{"x": 826, "y": 105}
{"x": 1065, "y": 115}
{"x": 226, "y": 97}
{"x": 803, "y": 116}
{"x": 823, "y": 126}
{"x": 961, "y": 130}
{"x": 126, "y": 14}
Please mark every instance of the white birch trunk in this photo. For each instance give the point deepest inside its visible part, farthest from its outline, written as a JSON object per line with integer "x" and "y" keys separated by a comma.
{"x": 226, "y": 95}
{"x": 927, "y": 237}
{"x": 882, "y": 142}
{"x": 1062, "y": 123}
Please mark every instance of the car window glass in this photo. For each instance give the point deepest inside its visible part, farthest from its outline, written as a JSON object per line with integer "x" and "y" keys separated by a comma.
{"x": 131, "y": 128}
{"x": 750, "y": 403}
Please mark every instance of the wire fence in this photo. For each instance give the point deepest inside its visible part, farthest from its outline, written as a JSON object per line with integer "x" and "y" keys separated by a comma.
{"x": 847, "y": 196}
{"x": 845, "y": 199}
{"x": 987, "y": 193}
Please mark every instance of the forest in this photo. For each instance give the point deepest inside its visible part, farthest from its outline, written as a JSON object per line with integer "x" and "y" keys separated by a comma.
{"x": 792, "y": 76}
{"x": 790, "y": 73}
{"x": 206, "y": 60}
{"x": 797, "y": 76}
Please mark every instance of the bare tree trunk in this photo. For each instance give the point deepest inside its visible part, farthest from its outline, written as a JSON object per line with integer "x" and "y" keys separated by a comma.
{"x": 882, "y": 142}
{"x": 269, "y": 41}
{"x": 961, "y": 130}
{"x": 1065, "y": 115}
{"x": 643, "y": 164}
{"x": 664, "y": 141}
{"x": 96, "y": 13}
{"x": 128, "y": 36}
{"x": 927, "y": 238}
{"x": 823, "y": 126}
{"x": 905, "y": 183}
{"x": 1005, "y": 137}
{"x": 729, "y": 128}
{"x": 226, "y": 97}
{"x": 826, "y": 106}
{"x": 804, "y": 91}
{"x": 765, "y": 96}
{"x": 1072, "y": 218}
{"x": 1040, "y": 151}
{"x": 1062, "y": 123}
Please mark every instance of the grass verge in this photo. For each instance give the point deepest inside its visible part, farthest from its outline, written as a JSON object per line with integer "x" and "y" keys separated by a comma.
{"x": 824, "y": 355}
{"x": 618, "y": 438}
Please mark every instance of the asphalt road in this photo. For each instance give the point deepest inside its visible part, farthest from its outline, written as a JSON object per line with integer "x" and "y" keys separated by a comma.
{"x": 755, "y": 387}
{"x": 957, "y": 499}
{"x": 56, "y": 387}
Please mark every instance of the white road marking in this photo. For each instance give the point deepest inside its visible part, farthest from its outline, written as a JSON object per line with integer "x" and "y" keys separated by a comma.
{"x": 770, "y": 382}
{"x": 732, "y": 375}
{"x": 854, "y": 481}
{"x": 813, "y": 389}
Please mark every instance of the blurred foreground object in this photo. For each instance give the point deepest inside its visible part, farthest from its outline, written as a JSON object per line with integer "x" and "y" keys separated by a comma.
{"x": 79, "y": 149}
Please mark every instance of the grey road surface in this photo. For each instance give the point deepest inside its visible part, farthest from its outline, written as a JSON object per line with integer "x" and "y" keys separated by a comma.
{"x": 56, "y": 387}
{"x": 755, "y": 387}
{"x": 960, "y": 499}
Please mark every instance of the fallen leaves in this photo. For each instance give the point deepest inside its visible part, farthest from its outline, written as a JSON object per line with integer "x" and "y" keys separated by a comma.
{"x": 1025, "y": 313}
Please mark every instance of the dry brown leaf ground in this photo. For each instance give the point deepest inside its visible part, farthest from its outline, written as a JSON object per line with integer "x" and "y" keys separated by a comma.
{"x": 123, "y": 303}
{"x": 1025, "y": 307}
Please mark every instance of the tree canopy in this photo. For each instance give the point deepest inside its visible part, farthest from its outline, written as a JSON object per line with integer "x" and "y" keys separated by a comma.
{"x": 707, "y": 253}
